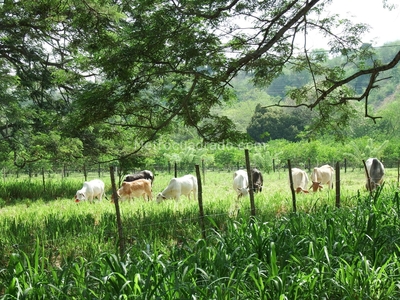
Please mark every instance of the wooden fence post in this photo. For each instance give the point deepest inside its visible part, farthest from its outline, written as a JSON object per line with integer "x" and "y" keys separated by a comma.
{"x": 203, "y": 167}
{"x": 292, "y": 187}
{"x": 251, "y": 188}
{"x": 337, "y": 175}
{"x": 118, "y": 214}
{"x": 200, "y": 200}
{"x": 175, "y": 170}
{"x": 398, "y": 172}
{"x": 368, "y": 178}
{"x": 44, "y": 181}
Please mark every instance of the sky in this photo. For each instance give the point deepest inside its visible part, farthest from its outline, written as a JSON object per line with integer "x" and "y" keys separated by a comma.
{"x": 385, "y": 24}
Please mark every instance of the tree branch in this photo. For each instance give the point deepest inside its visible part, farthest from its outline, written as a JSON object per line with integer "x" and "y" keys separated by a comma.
{"x": 374, "y": 72}
{"x": 240, "y": 63}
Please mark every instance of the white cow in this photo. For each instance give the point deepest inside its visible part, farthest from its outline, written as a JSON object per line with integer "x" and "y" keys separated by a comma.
{"x": 300, "y": 180}
{"x": 90, "y": 190}
{"x": 179, "y": 186}
{"x": 241, "y": 183}
{"x": 322, "y": 175}
{"x": 375, "y": 171}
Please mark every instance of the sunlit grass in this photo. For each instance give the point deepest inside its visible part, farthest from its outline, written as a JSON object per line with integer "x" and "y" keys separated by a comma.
{"x": 61, "y": 249}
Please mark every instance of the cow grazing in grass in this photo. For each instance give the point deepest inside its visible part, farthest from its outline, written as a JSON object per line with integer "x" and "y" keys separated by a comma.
{"x": 241, "y": 183}
{"x": 145, "y": 174}
{"x": 257, "y": 179}
{"x": 300, "y": 180}
{"x": 137, "y": 188}
{"x": 375, "y": 170}
{"x": 322, "y": 175}
{"x": 90, "y": 190}
{"x": 184, "y": 185}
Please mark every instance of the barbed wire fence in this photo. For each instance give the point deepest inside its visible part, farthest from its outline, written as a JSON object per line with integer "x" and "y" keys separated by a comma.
{"x": 201, "y": 217}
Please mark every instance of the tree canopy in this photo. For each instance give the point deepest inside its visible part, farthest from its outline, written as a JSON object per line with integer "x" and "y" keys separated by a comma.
{"x": 98, "y": 79}
{"x": 276, "y": 123}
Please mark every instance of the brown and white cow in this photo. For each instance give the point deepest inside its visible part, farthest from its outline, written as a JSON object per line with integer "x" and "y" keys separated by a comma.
{"x": 322, "y": 175}
{"x": 300, "y": 180}
{"x": 137, "y": 188}
{"x": 375, "y": 170}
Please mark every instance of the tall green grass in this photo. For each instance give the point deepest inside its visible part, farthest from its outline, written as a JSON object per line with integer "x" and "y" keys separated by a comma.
{"x": 64, "y": 250}
{"x": 348, "y": 253}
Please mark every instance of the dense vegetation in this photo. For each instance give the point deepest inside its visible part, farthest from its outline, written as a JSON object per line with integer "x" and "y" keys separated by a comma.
{"x": 254, "y": 111}
{"x": 61, "y": 250}
{"x": 96, "y": 81}
{"x": 272, "y": 133}
{"x": 86, "y": 85}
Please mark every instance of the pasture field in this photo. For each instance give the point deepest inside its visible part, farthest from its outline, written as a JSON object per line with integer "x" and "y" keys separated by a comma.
{"x": 52, "y": 247}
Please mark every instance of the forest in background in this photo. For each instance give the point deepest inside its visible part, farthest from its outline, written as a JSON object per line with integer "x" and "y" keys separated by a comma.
{"x": 108, "y": 84}
{"x": 276, "y": 134}
{"x": 273, "y": 134}
{"x": 264, "y": 124}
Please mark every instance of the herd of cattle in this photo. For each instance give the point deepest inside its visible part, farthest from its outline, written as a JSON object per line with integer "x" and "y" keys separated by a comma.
{"x": 140, "y": 184}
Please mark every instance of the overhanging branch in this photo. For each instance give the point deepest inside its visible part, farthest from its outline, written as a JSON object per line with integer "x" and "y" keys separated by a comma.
{"x": 374, "y": 72}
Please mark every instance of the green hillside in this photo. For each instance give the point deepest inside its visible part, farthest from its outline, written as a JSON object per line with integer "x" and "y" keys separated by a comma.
{"x": 383, "y": 102}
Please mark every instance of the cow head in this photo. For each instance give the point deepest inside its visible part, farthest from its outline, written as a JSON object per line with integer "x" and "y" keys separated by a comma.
{"x": 112, "y": 197}
{"x": 257, "y": 187}
{"x": 299, "y": 190}
{"x": 160, "y": 197}
{"x": 243, "y": 192}
{"x": 374, "y": 185}
{"x": 316, "y": 186}
{"x": 79, "y": 196}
